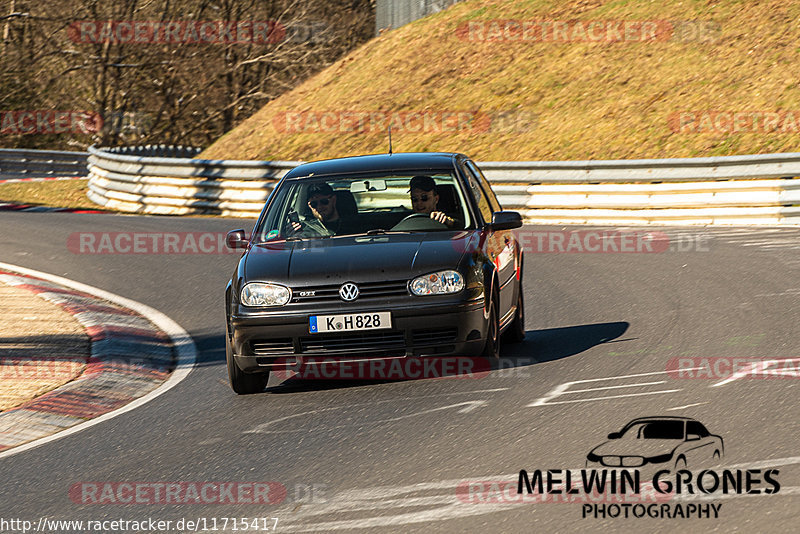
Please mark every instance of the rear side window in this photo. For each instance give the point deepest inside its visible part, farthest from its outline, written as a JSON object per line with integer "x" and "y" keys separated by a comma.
{"x": 694, "y": 427}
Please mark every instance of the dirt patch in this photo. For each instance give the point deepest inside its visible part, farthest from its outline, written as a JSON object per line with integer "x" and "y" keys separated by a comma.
{"x": 41, "y": 346}
{"x": 58, "y": 194}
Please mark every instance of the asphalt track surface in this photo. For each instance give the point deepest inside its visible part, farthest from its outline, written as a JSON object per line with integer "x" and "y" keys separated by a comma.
{"x": 389, "y": 456}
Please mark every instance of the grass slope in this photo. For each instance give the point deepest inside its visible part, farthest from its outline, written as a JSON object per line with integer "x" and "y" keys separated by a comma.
{"x": 590, "y": 100}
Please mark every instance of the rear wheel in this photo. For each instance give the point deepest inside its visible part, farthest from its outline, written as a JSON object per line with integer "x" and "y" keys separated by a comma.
{"x": 243, "y": 383}
{"x": 515, "y": 332}
{"x": 492, "y": 347}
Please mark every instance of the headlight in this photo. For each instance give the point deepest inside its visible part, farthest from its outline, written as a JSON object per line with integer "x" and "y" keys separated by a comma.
{"x": 660, "y": 459}
{"x": 261, "y": 294}
{"x": 440, "y": 283}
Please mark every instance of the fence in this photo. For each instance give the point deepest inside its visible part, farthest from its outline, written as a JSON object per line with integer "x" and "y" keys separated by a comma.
{"x": 396, "y": 13}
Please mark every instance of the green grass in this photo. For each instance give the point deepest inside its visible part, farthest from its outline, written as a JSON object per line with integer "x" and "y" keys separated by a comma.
{"x": 592, "y": 100}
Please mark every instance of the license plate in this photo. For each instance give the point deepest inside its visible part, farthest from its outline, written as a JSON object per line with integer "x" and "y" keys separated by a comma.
{"x": 349, "y": 322}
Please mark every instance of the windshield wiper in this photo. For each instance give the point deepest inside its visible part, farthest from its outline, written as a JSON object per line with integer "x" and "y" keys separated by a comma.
{"x": 376, "y": 231}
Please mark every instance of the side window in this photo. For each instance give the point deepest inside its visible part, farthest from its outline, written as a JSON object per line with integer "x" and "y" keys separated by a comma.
{"x": 478, "y": 194}
{"x": 485, "y": 184}
{"x": 693, "y": 427}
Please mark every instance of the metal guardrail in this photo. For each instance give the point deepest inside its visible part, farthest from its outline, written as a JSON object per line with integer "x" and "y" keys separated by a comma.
{"x": 646, "y": 170}
{"x": 160, "y": 183}
{"x": 23, "y": 163}
{"x": 746, "y": 190}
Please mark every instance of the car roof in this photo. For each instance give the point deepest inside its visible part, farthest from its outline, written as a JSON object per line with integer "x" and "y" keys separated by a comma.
{"x": 376, "y": 162}
{"x": 664, "y": 418}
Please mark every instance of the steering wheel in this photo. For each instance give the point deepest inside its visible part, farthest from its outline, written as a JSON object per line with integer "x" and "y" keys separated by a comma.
{"x": 419, "y": 221}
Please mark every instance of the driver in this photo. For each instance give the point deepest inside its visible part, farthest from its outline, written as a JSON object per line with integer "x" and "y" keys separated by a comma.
{"x": 322, "y": 201}
{"x": 424, "y": 198}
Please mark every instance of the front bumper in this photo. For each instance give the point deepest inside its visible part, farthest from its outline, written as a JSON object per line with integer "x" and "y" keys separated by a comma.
{"x": 264, "y": 342}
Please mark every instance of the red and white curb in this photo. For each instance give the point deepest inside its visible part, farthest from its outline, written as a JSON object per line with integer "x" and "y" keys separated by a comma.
{"x": 137, "y": 354}
{"x": 7, "y": 206}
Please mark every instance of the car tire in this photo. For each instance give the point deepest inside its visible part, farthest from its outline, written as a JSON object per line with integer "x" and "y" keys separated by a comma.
{"x": 492, "y": 347}
{"x": 243, "y": 383}
{"x": 515, "y": 333}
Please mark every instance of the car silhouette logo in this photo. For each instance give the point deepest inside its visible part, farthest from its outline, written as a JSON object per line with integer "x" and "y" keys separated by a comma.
{"x": 660, "y": 442}
{"x": 348, "y": 292}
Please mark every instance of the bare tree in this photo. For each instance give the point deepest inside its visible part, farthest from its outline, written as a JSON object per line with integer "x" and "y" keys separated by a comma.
{"x": 169, "y": 83}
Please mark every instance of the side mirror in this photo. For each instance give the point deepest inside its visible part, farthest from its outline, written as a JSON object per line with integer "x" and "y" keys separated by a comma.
{"x": 505, "y": 220}
{"x": 236, "y": 239}
{"x": 614, "y": 435}
{"x": 692, "y": 437}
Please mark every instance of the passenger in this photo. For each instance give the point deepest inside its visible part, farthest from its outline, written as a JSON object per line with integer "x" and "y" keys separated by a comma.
{"x": 424, "y": 199}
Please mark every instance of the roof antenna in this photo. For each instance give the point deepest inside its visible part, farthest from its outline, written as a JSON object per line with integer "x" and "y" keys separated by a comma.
{"x": 390, "y": 139}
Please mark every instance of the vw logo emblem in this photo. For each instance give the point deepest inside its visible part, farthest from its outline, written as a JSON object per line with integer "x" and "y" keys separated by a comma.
{"x": 348, "y": 291}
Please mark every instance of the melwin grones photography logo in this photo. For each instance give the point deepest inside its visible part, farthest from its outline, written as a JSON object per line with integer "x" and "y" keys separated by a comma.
{"x": 666, "y": 456}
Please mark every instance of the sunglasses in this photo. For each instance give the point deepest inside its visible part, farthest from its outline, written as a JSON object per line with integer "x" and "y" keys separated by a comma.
{"x": 423, "y": 198}
{"x": 322, "y": 201}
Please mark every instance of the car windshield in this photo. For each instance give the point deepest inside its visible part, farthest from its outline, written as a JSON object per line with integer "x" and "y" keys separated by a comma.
{"x": 372, "y": 204}
{"x": 656, "y": 430}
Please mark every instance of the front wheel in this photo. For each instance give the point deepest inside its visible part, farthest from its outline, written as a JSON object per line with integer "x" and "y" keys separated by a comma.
{"x": 243, "y": 383}
{"x": 492, "y": 347}
{"x": 515, "y": 332}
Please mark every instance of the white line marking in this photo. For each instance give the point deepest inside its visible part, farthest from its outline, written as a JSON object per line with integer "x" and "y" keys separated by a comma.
{"x": 617, "y": 387}
{"x": 263, "y": 427}
{"x": 687, "y": 406}
{"x": 563, "y": 389}
{"x": 182, "y": 341}
{"x": 760, "y": 368}
{"x": 463, "y": 392}
{"x": 786, "y": 293}
{"x": 609, "y": 397}
{"x": 627, "y": 376}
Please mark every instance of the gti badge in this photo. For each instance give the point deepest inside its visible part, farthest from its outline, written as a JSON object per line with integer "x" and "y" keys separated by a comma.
{"x": 348, "y": 292}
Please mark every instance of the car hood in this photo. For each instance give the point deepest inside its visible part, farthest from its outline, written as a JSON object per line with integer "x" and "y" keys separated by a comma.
{"x": 636, "y": 447}
{"x": 357, "y": 258}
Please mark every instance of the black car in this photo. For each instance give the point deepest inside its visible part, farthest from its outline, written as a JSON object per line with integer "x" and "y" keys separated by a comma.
{"x": 374, "y": 257}
{"x": 654, "y": 443}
